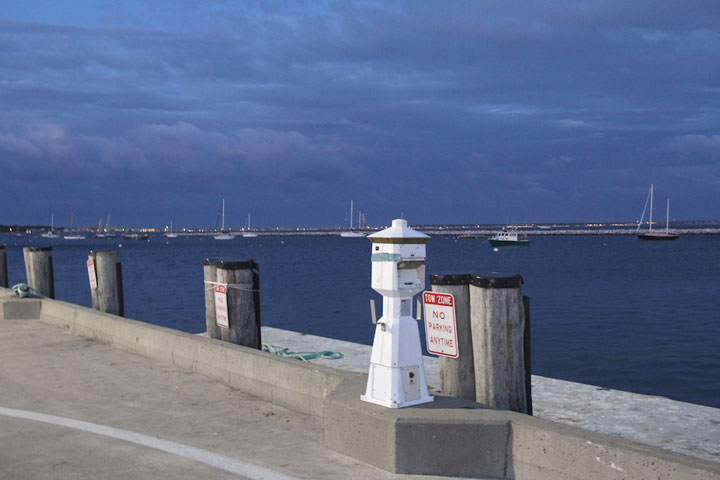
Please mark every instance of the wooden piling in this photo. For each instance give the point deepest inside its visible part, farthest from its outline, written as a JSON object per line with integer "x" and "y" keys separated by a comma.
{"x": 3, "y": 268}
{"x": 243, "y": 302}
{"x": 527, "y": 356}
{"x": 498, "y": 329}
{"x": 108, "y": 296}
{"x": 457, "y": 375}
{"x": 39, "y": 270}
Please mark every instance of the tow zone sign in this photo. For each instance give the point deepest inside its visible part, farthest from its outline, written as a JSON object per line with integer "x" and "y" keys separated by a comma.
{"x": 440, "y": 325}
{"x": 92, "y": 276}
{"x": 221, "y": 310}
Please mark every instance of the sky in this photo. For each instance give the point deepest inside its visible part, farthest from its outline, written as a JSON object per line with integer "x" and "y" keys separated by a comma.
{"x": 441, "y": 112}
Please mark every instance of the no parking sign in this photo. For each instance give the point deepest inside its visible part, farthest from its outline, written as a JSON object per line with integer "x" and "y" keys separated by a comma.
{"x": 440, "y": 325}
{"x": 221, "y": 310}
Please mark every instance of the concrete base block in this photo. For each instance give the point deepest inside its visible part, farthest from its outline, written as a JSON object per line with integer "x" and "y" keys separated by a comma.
{"x": 452, "y": 448}
{"x": 20, "y": 308}
{"x": 449, "y": 437}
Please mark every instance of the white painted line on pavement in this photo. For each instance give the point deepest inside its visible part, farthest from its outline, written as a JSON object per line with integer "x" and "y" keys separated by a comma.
{"x": 222, "y": 462}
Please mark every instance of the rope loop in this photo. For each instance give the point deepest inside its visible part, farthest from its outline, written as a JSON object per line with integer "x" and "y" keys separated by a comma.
{"x": 245, "y": 287}
{"x": 304, "y": 356}
{"x": 23, "y": 290}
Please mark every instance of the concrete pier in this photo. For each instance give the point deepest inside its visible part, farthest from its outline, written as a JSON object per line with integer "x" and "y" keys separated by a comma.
{"x": 84, "y": 391}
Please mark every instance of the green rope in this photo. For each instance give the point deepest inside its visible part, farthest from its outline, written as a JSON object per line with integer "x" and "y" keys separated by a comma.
{"x": 304, "y": 356}
{"x": 23, "y": 290}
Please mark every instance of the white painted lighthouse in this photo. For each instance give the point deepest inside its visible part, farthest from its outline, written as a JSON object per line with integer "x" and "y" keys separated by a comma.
{"x": 397, "y": 377}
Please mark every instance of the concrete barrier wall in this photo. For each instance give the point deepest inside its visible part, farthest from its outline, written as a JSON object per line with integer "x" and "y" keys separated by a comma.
{"x": 287, "y": 382}
{"x": 541, "y": 449}
{"x": 447, "y": 437}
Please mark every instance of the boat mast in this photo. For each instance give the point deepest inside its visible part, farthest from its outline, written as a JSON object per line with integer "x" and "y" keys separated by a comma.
{"x": 667, "y": 218}
{"x": 222, "y": 227}
{"x": 351, "y": 214}
{"x": 651, "y": 205}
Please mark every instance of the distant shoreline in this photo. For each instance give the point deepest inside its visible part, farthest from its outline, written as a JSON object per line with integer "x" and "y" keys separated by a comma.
{"x": 459, "y": 234}
{"x": 709, "y": 227}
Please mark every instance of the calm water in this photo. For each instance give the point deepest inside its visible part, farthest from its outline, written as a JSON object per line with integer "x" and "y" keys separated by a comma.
{"x": 606, "y": 310}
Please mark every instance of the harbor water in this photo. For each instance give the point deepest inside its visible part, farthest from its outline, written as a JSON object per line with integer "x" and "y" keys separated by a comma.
{"x": 607, "y": 310}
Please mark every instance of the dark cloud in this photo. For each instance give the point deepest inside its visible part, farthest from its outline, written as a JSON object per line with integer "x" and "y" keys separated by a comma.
{"x": 473, "y": 112}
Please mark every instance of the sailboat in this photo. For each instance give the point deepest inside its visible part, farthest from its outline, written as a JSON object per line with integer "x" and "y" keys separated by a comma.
{"x": 170, "y": 234}
{"x": 71, "y": 235}
{"x": 351, "y": 232}
{"x": 248, "y": 233}
{"x": 223, "y": 235}
{"x": 105, "y": 233}
{"x": 51, "y": 233}
{"x": 651, "y": 234}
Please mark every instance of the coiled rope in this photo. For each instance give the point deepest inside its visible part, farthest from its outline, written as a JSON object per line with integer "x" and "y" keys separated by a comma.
{"x": 304, "y": 356}
{"x": 23, "y": 290}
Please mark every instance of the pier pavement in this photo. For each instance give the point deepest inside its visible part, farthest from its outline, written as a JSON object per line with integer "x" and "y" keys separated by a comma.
{"x": 71, "y": 407}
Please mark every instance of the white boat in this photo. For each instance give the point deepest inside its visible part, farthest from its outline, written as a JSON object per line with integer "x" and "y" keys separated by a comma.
{"x": 352, "y": 233}
{"x": 71, "y": 235}
{"x": 223, "y": 235}
{"x": 135, "y": 236}
{"x": 651, "y": 234}
{"x": 509, "y": 237}
{"x": 51, "y": 233}
{"x": 170, "y": 234}
{"x": 248, "y": 232}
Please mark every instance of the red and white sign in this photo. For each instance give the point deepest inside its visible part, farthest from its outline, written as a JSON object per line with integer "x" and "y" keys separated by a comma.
{"x": 440, "y": 325}
{"x": 92, "y": 276}
{"x": 221, "y": 310}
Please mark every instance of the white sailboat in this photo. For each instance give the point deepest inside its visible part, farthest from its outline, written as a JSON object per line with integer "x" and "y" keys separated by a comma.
{"x": 352, "y": 233}
{"x": 51, "y": 233}
{"x": 71, "y": 235}
{"x": 105, "y": 232}
{"x": 249, "y": 233}
{"x": 170, "y": 234}
{"x": 651, "y": 234}
{"x": 223, "y": 235}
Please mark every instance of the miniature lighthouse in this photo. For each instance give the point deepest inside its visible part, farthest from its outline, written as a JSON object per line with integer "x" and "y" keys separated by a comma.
{"x": 397, "y": 376}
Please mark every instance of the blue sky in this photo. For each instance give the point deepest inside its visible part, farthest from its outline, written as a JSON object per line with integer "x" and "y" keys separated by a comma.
{"x": 455, "y": 112}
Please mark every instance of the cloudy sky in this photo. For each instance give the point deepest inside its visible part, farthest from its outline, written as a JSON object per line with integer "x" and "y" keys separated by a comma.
{"x": 445, "y": 112}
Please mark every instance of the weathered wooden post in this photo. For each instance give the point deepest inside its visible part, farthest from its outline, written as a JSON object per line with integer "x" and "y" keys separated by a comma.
{"x": 105, "y": 275}
{"x": 232, "y": 301}
{"x": 39, "y": 270}
{"x": 528, "y": 357}
{"x": 242, "y": 281}
{"x": 3, "y": 268}
{"x": 457, "y": 375}
{"x": 498, "y": 329}
{"x": 210, "y": 277}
